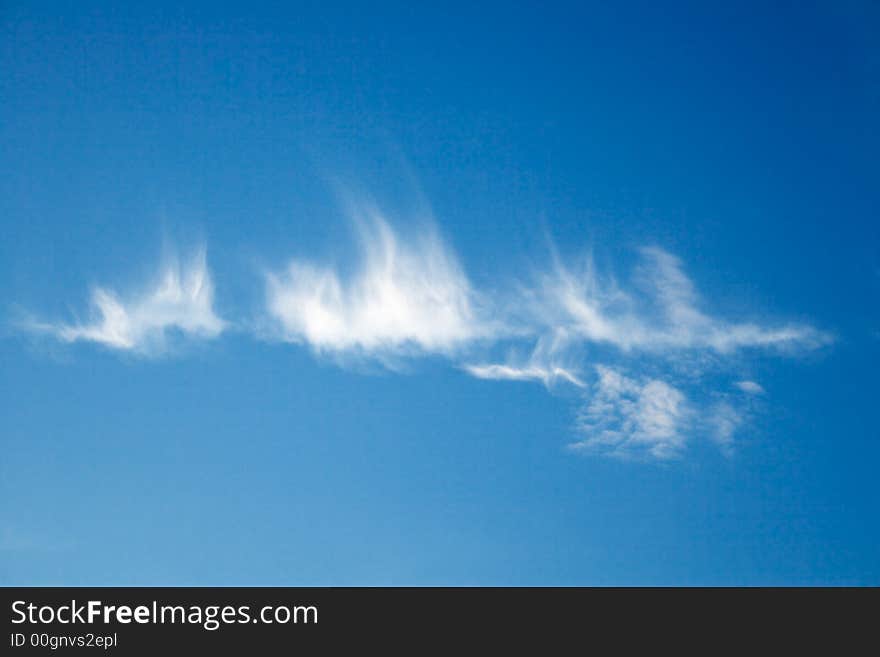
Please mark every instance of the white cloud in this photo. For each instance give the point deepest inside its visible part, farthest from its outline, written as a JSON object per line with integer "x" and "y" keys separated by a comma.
{"x": 723, "y": 422}
{"x": 631, "y": 418}
{"x": 405, "y": 297}
{"x": 578, "y": 319}
{"x": 625, "y": 416}
{"x": 661, "y": 314}
{"x": 409, "y": 296}
{"x": 750, "y": 387}
{"x": 547, "y": 376}
{"x": 181, "y": 300}
{"x": 551, "y": 361}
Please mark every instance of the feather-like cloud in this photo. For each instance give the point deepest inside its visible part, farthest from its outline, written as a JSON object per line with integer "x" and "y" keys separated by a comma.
{"x": 661, "y": 313}
{"x": 404, "y": 297}
{"x": 578, "y": 320}
{"x": 577, "y": 328}
{"x": 618, "y": 346}
{"x": 180, "y": 301}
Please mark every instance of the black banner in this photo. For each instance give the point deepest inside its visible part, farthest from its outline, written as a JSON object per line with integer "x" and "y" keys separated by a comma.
{"x": 129, "y": 621}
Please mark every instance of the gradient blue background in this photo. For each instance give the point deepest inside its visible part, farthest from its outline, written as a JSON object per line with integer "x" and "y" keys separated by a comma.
{"x": 744, "y": 139}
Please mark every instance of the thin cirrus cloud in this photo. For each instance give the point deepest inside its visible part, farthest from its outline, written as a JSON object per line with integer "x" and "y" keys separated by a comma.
{"x": 661, "y": 314}
{"x": 627, "y": 417}
{"x": 551, "y": 360}
{"x": 642, "y": 358}
{"x": 411, "y": 297}
{"x": 750, "y": 387}
{"x": 723, "y": 420}
{"x": 647, "y": 417}
{"x": 405, "y": 297}
{"x": 180, "y": 301}
{"x": 655, "y": 325}
{"x": 546, "y": 375}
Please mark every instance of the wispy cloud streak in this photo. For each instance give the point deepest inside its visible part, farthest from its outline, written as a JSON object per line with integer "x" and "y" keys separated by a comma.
{"x": 661, "y": 313}
{"x": 750, "y": 387}
{"x": 181, "y": 300}
{"x": 547, "y": 376}
{"x": 577, "y": 320}
{"x": 637, "y": 356}
{"x": 405, "y": 297}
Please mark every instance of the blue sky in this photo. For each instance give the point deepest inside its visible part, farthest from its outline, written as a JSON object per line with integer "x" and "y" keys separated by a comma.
{"x": 439, "y": 295}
